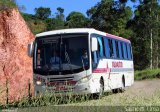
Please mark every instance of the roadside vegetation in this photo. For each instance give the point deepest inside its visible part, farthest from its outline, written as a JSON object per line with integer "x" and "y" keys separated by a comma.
{"x": 147, "y": 74}
{"x": 110, "y": 102}
{"x": 140, "y": 97}
{"x": 43, "y": 20}
{"x": 7, "y": 4}
{"x": 47, "y": 100}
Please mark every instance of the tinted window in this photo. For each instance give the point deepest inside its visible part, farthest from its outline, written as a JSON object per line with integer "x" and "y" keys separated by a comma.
{"x": 103, "y": 44}
{"x": 100, "y": 47}
{"x": 117, "y": 50}
{"x": 124, "y": 50}
{"x": 111, "y": 47}
{"x": 127, "y": 56}
{"x": 106, "y": 46}
{"x": 121, "y": 44}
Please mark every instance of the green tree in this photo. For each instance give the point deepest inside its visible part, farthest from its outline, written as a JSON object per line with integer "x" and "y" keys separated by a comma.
{"x": 6, "y": 4}
{"x": 146, "y": 38}
{"x": 76, "y": 20}
{"x": 42, "y": 12}
{"x": 54, "y": 24}
{"x": 111, "y": 16}
{"x": 59, "y": 14}
{"x": 57, "y": 22}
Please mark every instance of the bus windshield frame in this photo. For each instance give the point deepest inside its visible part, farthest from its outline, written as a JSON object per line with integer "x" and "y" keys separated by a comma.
{"x": 69, "y": 49}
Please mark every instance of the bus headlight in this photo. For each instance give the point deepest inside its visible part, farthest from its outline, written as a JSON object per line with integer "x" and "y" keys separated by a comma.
{"x": 84, "y": 79}
{"x": 38, "y": 83}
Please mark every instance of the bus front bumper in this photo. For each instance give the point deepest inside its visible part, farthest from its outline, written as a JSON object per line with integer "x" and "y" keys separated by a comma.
{"x": 79, "y": 89}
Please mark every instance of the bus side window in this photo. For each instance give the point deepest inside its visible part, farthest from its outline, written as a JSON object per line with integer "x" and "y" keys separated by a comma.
{"x": 125, "y": 48}
{"x": 106, "y": 47}
{"x": 94, "y": 59}
{"x": 114, "y": 49}
{"x": 129, "y": 52}
{"x": 122, "y": 51}
{"x": 117, "y": 49}
{"x": 103, "y": 45}
{"x": 98, "y": 51}
{"x": 126, "y": 51}
{"x": 100, "y": 47}
{"x": 111, "y": 48}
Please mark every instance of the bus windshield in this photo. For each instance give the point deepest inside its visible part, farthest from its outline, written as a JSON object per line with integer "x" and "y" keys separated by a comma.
{"x": 61, "y": 54}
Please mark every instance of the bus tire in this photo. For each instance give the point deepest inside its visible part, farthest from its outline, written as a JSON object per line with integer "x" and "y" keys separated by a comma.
{"x": 115, "y": 90}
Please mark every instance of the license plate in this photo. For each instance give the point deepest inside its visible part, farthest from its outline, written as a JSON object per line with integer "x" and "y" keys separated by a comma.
{"x": 61, "y": 88}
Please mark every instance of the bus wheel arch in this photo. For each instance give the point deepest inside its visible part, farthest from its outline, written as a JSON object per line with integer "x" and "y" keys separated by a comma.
{"x": 122, "y": 89}
{"x": 123, "y": 80}
{"x": 101, "y": 89}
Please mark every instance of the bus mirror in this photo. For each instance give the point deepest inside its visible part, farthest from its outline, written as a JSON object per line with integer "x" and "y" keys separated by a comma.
{"x": 30, "y": 49}
{"x": 94, "y": 44}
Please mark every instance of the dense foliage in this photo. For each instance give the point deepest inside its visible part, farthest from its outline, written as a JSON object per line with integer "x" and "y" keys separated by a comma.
{"x": 147, "y": 74}
{"x": 146, "y": 37}
{"x": 42, "y": 13}
{"x": 141, "y": 26}
{"x": 111, "y": 16}
{"x": 76, "y": 20}
{"x": 6, "y": 4}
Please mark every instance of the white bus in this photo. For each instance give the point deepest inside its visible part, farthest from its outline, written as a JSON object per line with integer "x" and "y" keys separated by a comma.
{"x": 81, "y": 61}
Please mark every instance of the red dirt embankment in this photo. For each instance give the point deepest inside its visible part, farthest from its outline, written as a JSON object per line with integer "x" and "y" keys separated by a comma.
{"x": 15, "y": 65}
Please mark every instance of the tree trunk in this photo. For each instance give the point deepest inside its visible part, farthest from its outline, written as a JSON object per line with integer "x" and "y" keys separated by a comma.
{"x": 151, "y": 47}
{"x": 157, "y": 62}
{"x": 157, "y": 58}
{"x": 151, "y": 43}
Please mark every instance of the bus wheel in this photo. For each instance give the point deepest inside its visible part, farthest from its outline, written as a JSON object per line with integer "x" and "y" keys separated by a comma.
{"x": 101, "y": 89}
{"x": 115, "y": 90}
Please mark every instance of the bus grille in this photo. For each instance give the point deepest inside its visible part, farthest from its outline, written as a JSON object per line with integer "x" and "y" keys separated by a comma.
{"x": 60, "y": 79}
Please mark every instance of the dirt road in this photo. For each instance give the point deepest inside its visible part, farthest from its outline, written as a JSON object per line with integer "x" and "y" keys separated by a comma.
{"x": 146, "y": 87}
{"x": 145, "y": 92}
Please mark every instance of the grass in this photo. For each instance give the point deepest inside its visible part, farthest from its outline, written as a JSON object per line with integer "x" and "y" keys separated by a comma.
{"x": 47, "y": 100}
{"x": 110, "y": 102}
{"x": 71, "y": 103}
{"x": 147, "y": 74}
{"x": 123, "y": 99}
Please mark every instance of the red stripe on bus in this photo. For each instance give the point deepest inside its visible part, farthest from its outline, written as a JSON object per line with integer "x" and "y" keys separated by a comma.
{"x": 101, "y": 70}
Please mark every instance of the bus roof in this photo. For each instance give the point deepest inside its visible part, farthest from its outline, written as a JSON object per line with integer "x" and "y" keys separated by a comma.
{"x": 81, "y": 30}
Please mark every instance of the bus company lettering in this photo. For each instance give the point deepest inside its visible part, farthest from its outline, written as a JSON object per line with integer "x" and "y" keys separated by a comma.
{"x": 117, "y": 64}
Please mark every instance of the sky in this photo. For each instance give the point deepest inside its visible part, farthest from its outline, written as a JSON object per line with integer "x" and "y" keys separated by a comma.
{"x": 68, "y": 5}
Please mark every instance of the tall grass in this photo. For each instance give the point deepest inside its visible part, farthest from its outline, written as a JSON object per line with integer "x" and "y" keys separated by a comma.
{"x": 111, "y": 103}
{"x": 47, "y": 100}
{"x": 147, "y": 74}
